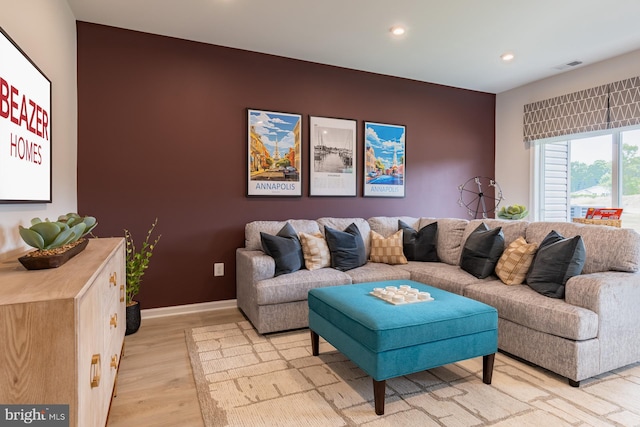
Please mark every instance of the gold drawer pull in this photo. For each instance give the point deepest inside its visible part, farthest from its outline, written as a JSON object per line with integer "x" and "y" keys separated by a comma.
{"x": 95, "y": 370}
{"x": 114, "y": 320}
{"x": 113, "y": 279}
{"x": 121, "y": 293}
{"x": 114, "y": 361}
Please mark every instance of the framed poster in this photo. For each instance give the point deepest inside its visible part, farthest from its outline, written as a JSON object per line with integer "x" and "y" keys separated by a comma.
{"x": 332, "y": 147}
{"x": 25, "y": 127}
{"x": 384, "y": 160}
{"x": 274, "y": 166}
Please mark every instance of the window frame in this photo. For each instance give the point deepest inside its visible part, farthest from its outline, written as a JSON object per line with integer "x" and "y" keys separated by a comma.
{"x": 537, "y": 165}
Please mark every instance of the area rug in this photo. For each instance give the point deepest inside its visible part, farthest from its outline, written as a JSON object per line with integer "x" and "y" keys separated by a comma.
{"x": 247, "y": 379}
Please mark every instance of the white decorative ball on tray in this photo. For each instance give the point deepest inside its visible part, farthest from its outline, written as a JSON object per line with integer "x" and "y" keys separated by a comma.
{"x": 405, "y": 294}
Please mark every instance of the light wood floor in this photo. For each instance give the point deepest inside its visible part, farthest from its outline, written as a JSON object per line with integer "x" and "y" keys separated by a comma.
{"x": 155, "y": 384}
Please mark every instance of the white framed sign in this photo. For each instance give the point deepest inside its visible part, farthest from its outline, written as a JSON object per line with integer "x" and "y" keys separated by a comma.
{"x": 25, "y": 127}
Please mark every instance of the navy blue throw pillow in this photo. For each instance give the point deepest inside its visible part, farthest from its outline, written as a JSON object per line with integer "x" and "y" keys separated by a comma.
{"x": 419, "y": 245}
{"x": 284, "y": 248}
{"x": 557, "y": 260}
{"x": 346, "y": 247}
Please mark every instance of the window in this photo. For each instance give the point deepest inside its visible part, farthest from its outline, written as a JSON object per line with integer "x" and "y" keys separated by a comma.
{"x": 575, "y": 172}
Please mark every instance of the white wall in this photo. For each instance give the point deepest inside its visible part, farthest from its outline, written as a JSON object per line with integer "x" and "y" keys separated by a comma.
{"x": 513, "y": 169}
{"x": 46, "y": 31}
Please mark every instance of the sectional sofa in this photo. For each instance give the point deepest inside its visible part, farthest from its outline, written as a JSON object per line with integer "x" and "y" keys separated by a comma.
{"x": 595, "y": 328}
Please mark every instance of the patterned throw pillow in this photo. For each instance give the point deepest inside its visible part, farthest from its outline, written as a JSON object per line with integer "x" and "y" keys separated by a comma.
{"x": 515, "y": 261}
{"x": 315, "y": 250}
{"x": 387, "y": 250}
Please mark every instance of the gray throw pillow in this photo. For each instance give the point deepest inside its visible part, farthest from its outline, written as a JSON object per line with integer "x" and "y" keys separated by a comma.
{"x": 419, "y": 245}
{"x": 346, "y": 247}
{"x": 558, "y": 259}
{"x": 482, "y": 251}
{"x": 285, "y": 249}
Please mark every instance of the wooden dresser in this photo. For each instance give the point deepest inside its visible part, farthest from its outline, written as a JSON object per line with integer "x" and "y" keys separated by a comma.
{"x": 62, "y": 331}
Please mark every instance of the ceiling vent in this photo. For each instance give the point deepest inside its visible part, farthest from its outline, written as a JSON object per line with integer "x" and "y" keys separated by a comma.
{"x": 568, "y": 65}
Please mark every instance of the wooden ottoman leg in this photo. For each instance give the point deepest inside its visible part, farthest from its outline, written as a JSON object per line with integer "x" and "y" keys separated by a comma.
{"x": 378, "y": 395}
{"x": 487, "y": 368}
{"x": 315, "y": 343}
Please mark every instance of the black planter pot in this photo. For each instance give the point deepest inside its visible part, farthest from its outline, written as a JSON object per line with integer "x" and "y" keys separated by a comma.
{"x": 133, "y": 318}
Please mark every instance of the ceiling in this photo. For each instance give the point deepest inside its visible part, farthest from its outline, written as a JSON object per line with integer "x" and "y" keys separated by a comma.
{"x": 450, "y": 42}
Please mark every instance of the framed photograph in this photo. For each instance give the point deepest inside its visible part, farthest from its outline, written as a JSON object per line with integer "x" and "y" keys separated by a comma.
{"x": 332, "y": 147}
{"x": 384, "y": 160}
{"x": 274, "y": 165}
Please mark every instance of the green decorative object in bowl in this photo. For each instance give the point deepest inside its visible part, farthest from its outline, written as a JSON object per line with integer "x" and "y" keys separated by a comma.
{"x": 513, "y": 212}
{"x": 55, "y": 241}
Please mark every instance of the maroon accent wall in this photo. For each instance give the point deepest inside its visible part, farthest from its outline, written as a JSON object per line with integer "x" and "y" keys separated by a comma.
{"x": 162, "y": 133}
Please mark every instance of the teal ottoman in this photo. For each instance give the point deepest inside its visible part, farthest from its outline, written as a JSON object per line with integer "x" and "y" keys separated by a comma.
{"x": 387, "y": 340}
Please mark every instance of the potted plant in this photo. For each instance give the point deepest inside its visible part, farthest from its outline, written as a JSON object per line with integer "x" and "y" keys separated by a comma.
{"x": 137, "y": 261}
{"x": 514, "y": 212}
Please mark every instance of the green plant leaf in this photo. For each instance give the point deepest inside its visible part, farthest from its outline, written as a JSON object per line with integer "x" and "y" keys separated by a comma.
{"x": 90, "y": 222}
{"x": 35, "y": 220}
{"x": 78, "y": 231}
{"x": 31, "y": 238}
{"x": 63, "y": 238}
{"x": 48, "y": 231}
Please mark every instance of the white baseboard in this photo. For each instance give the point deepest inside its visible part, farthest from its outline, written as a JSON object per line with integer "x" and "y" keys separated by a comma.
{"x": 188, "y": 308}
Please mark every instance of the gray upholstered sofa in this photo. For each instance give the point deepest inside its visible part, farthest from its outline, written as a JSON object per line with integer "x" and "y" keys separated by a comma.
{"x": 594, "y": 329}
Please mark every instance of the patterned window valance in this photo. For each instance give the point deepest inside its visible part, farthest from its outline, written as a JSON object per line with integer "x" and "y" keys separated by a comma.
{"x": 603, "y": 107}
{"x": 624, "y": 103}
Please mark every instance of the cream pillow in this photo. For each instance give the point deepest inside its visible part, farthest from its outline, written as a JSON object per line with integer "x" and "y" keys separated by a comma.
{"x": 515, "y": 261}
{"x": 315, "y": 251}
{"x": 387, "y": 250}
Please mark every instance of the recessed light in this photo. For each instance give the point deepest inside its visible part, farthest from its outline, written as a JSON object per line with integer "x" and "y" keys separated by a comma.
{"x": 397, "y": 30}
{"x": 507, "y": 57}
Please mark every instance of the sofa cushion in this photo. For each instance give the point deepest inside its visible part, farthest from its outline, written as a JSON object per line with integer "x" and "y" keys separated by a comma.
{"x": 515, "y": 261}
{"x": 481, "y": 251}
{"x": 315, "y": 251}
{"x": 420, "y": 245}
{"x": 624, "y": 255}
{"x": 387, "y": 225}
{"x": 441, "y": 275}
{"x": 295, "y": 286}
{"x": 511, "y": 229}
{"x": 375, "y": 272}
{"x": 252, "y": 230}
{"x": 557, "y": 260}
{"x": 526, "y": 307}
{"x": 449, "y": 237}
{"x": 346, "y": 247}
{"x": 285, "y": 249}
{"x": 387, "y": 250}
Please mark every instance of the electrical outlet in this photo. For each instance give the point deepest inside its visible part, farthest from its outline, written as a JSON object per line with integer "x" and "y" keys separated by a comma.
{"x": 218, "y": 269}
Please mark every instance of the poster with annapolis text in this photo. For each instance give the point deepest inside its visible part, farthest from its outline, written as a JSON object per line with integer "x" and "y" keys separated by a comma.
{"x": 384, "y": 160}
{"x": 275, "y": 154}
